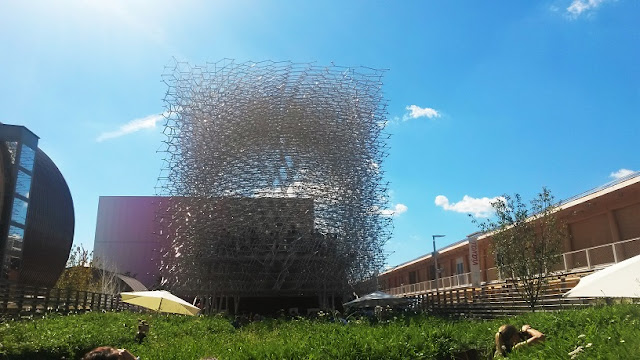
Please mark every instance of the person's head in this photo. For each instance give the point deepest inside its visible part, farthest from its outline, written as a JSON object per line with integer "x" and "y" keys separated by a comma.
{"x": 108, "y": 353}
{"x": 506, "y": 337}
{"x": 143, "y": 326}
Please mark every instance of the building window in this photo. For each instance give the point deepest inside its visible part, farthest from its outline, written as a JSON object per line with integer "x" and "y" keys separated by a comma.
{"x": 19, "y": 211}
{"x": 16, "y": 235}
{"x": 27, "y": 157}
{"x": 23, "y": 184}
{"x": 14, "y": 263}
{"x": 459, "y": 265}
{"x": 12, "y": 146}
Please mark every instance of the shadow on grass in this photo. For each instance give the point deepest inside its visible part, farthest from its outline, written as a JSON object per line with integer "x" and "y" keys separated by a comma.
{"x": 41, "y": 355}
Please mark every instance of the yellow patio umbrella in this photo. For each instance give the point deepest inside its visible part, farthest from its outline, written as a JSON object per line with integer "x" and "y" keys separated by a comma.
{"x": 159, "y": 300}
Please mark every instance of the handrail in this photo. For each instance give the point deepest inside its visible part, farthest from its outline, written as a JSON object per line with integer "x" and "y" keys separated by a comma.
{"x": 464, "y": 279}
{"x": 601, "y": 246}
{"x": 601, "y": 187}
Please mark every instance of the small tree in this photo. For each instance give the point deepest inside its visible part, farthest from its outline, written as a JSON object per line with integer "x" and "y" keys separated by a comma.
{"x": 107, "y": 276}
{"x": 526, "y": 241}
{"x": 78, "y": 275}
{"x": 86, "y": 273}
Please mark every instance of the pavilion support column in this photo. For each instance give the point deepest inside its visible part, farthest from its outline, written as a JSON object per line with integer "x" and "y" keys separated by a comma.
{"x": 236, "y": 304}
{"x": 482, "y": 259}
{"x": 569, "y": 241}
{"x": 211, "y": 299}
{"x": 615, "y": 235}
{"x": 322, "y": 301}
{"x": 323, "y": 298}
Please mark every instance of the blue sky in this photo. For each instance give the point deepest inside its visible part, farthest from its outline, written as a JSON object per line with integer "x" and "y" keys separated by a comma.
{"x": 484, "y": 98}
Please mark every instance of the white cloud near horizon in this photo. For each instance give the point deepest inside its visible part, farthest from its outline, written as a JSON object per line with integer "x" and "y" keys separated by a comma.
{"x": 395, "y": 211}
{"x": 416, "y": 112}
{"x": 479, "y": 207}
{"x": 578, "y": 7}
{"x": 621, "y": 173}
{"x": 135, "y": 125}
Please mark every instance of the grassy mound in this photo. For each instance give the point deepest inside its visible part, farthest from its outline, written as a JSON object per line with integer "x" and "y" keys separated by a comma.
{"x": 608, "y": 332}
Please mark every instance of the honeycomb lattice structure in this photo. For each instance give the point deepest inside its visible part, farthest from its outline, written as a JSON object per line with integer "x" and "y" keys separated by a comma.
{"x": 273, "y": 178}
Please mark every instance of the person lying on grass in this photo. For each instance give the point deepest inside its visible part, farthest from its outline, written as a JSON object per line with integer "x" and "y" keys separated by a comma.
{"x": 508, "y": 338}
{"x": 109, "y": 353}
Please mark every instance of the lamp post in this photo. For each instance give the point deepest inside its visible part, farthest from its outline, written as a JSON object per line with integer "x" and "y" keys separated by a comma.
{"x": 435, "y": 258}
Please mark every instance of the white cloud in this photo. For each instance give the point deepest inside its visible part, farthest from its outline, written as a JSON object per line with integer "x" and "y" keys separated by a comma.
{"x": 416, "y": 111}
{"x": 621, "y": 173}
{"x": 147, "y": 122}
{"x": 480, "y": 207}
{"x": 578, "y": 7}
{"x": 396, "y": 211}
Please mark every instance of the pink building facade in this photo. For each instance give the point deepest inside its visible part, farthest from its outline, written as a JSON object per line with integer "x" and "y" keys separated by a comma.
{"x": 127, "y": 238}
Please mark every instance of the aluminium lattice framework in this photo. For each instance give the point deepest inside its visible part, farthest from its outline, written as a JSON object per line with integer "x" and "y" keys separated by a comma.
{"x": 273, "y": 178}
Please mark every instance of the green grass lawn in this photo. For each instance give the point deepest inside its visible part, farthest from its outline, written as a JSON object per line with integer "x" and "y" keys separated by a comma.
{"x": 612, "y": 331}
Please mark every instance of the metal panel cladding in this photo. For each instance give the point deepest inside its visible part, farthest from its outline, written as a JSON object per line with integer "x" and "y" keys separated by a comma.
{"x": 126, "y": 239}
{"x": 274, "y": 130}
{"x": 50, "y": 225}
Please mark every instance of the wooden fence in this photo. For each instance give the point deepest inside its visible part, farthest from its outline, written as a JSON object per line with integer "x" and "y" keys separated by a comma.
{"x": 487, "y": 301}
{"x": 18, "y": 301}
{"x": 501, "y": 299}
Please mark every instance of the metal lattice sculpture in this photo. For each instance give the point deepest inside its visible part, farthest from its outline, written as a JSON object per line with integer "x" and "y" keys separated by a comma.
{"x": 272, "y": 178}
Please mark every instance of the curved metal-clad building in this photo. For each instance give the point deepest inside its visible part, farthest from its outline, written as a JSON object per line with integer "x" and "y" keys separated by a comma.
{"x": 49, "y": 233}
{"x": 36, "y": 231}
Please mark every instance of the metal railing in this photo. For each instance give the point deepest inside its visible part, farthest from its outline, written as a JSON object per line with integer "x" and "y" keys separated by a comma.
{"x": 606, "y": 254}
{"x": 18, "y": 300}
{"x": 447, "y": 282}
{"x": 588, "y": 258}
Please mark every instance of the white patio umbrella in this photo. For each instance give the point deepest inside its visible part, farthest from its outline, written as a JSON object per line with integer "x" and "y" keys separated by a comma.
{"x": 159, "y": 300}
{"x": 619, "y": 280}
{"x": 377, "y": 298}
